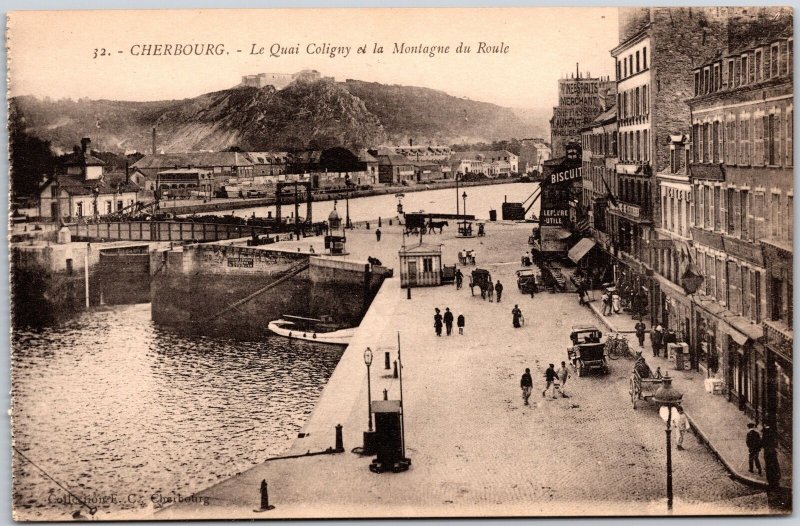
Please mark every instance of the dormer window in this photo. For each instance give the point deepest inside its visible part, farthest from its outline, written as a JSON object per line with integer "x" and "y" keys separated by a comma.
{"x": 775, "y": 52}
{"x": 697, "y": 83}
{"x": 718, "y": 77}
{"x": 731, "y": 77}
{"x": 758, "y": 65}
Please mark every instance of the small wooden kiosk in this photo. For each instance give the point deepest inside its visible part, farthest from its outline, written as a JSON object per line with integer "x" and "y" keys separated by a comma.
{"x": 421, "y": 265}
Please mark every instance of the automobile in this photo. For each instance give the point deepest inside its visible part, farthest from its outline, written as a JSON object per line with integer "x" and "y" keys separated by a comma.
{"x": 527, "y": 280}
{"x": 587, "y": 352}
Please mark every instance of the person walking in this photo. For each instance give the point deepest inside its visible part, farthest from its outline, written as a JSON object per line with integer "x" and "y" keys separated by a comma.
{"x": 550, "y": 377}
{"x": 459, "y": 278}
{"x": 526, "y": 384}
{"x": 606, "y": 303}
{"x": 460, "y": 323}
{"x": 498, "y": 288}
{"x": 682, "y": 425}
{"x": 754, "y": 444}
{"x": 563, "y": 376}
{"x": 655, "y": 339}
{"x": 378, "y": 234}
{"x": 448, "y": 320}
{"x": 581, "y": 293}
{"x": 490, "y": 289}
{"x": 640, "y": 328}
{"x": 437, "y": 323}
{"x": 516, "y": 314}
{"x": 615, "y": 302}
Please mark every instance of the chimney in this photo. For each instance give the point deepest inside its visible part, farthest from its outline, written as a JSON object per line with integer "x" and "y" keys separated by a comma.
{"x": 85, "y": 142}
{"x": 154, "y": 140}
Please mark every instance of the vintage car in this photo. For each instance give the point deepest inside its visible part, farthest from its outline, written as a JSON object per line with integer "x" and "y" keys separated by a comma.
{"x": 587, "y": 352}
{"x": 527, "y": 280}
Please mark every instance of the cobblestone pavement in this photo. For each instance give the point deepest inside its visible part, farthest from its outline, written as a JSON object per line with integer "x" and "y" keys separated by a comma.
{"x": 476, "y": 449}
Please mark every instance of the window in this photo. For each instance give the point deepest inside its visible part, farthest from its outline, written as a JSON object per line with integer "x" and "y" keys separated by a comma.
{"x": 720, "y": 272}
{"x": 774, "y": 56}
{"x": 789, "y": 135}
{"x": 637, "y": 62}
{"x": 636, "y": 102}
{"x": 755, "y": 296}
{"x": 745, "y": 70}
{"x": 697, "y": 83}
{"x": 717, "y": 208}
{"x": 717, "y": 77}
{"x": 757, "y": 65}
{"x": 789, "y": 54}
{"x": 638, "y": 146}
{"x": 672, "y": 214}
{"x": 645, "y": 147}
{"x": 54, "y": 190}
{"x": 775, "y": 215}
{"x": 706, "y": 80}
{"x": 744, "y": 207}
{"x": 711, "y": 288}
{"x": 427, "y": 264}
{"x": 645, "y": 96}
{"x": 731, "y": 77}
{"x": 695, "y": 142}
{"x": 788, "y": 217}
{"x": 644, "y": 56}
{"x": 744, "y": 136}
{"x": 673, "y": 160}
{"x": 707, "y": 212}
{"x": 79, "y": 211}
{"x": 770, "y": 140}
{"x": 758, "y": 213}
{"x": 746, "y": 293}
{"x": 625, "y": 68}
{"x": 715, "y": 141}
{"x": 619, "y": 70}
{"x": 731, "y": 202}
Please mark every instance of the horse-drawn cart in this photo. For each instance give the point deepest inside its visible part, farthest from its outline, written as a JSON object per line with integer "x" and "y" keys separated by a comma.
{"x": 482, "y": 279}
{"x": 643, "y": 384}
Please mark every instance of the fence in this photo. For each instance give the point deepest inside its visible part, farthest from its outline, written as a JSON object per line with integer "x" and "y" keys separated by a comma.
{"x": 163, "y": 231}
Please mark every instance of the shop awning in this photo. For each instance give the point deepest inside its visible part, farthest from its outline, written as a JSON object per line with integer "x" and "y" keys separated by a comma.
{"x": 580, "y": 249}
{"x": 741, "y": 329}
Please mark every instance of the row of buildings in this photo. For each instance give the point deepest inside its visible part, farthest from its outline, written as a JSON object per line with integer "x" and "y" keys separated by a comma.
{"x": 687, "y": 182}
{"x": 87, "y": 188}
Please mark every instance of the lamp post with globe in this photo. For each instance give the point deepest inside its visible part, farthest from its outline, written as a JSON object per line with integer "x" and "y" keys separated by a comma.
{"x": 668, "y": 397}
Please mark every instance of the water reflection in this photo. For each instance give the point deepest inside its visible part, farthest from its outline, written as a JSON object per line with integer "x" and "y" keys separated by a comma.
{"x": 111, "y": 404}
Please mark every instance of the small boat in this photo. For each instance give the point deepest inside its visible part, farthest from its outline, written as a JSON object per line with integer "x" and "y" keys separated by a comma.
{"x": 311, "y": 329}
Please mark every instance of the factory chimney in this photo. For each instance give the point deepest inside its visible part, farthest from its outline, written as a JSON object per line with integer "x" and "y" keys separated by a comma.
{"x": 154, "y": 140}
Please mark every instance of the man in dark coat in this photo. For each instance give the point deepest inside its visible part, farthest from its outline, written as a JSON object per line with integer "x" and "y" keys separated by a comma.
{"x": 550, "y": 378}
{"x": 459, "y": 278}
{"x": 526, "y": 384}
{"x": 640, "y": 328}
{"x": 448, "y": 320}
{"x": 753, "y": 442}
{"x": 516, "y": 314}
{"x": 498, "y": 288}
{"x": 378, "y": 234}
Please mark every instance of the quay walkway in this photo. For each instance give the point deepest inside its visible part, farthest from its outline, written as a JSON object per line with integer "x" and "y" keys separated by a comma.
{"x": 476, "y": 449}
{"x": 716, "y": 421}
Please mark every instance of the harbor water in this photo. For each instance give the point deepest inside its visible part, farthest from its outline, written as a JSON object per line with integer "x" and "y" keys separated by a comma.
{"x": 117, "y": 410}
{"x": 480, "y": 199}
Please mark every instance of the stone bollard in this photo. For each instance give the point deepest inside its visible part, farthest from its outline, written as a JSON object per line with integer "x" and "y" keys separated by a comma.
{"x": 264, "y": 491}
{"x": 408, "y": 292}
{"x": 390, "y": 222}
{"x": 387, "y": 361}
{"x": 367, "y": 225}
{"x": 385, "y": 394}
{"x": 339, "y": 441}
{"x": 379, "y": 222}
{"x": 395, "y": 369}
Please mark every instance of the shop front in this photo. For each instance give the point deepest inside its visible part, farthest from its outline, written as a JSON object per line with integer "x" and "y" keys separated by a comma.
{"x": 704, "y": 345}
{"x": 745, "y": 365}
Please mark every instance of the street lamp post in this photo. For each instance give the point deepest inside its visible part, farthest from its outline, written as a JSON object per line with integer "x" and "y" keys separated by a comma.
{"x": 368, "y": 362}
{"x": 464, "y": 197}
{"x": 457, "y": 203}
{"x": 668, "y": 398}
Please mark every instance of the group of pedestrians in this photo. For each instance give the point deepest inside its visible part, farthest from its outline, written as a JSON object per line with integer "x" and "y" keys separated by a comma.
{"x": 555, "y": 381}
{"x": 446, "y": 320}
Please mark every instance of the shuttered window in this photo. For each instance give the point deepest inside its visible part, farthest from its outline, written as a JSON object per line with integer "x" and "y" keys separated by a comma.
{"x": 734, "y": 280}
{"x": 722, "y": 297}
{"x": 789, "y": 136}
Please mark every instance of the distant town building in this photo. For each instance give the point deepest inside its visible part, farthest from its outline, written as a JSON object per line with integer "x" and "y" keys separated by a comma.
{"x": 533, "y": 152}
{"x": 278, "y": 80}
{"x": 599, "y": 159}
{"x": 268, "y": 166}
{"x": 86, "y": 189}
{"x": 419, "y": 152}
{"x": 395, "y": 169}
{"x": 184, "y": 182}
{"x": 491, "y": 163}
{"x": 228, "y": 168}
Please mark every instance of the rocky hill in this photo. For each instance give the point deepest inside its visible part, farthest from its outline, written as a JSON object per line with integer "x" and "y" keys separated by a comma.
{"x": 315, "y": 114}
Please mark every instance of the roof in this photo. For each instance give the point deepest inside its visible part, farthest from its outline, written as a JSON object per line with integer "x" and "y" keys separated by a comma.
{"x": 83, "y": 159}
{"x": 365, "y": 157}
{"x": 393, "y": 159}
{"x": 176, "y": 171}
{"x": 267, "y": 157}
{"x": 423, "y": 248}
{"x": 171, "y": 160}
{"x": 110, "y": 183}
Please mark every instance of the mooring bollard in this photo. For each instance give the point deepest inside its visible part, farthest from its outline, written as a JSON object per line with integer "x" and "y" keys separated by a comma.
{"x": 395, "y": 369}
{"x": 379, "y": 222}
{"x": 339, "y": 441}
{"x": 390, "y": 222}
{"x": 385, "y": 394}
{"x": 408, "y": 292}
{"x": 264, "y": 491}
{"x": 387, "y": 361}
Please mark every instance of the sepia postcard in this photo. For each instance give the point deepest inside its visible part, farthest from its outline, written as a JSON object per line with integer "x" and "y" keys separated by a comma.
{"x": 401, "y": 263}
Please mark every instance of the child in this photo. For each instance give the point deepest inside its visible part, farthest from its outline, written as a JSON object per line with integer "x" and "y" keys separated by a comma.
{"x": 460, "y": 324}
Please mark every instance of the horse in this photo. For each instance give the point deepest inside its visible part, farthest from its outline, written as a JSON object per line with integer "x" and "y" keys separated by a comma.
{"x": 436, "y": 224}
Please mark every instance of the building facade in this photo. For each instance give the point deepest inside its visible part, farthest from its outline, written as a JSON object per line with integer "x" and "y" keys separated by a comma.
{"x": 741, "y": 223}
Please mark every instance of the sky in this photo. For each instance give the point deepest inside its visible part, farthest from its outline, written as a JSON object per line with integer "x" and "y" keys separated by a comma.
{"x": 53, "y": 54}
